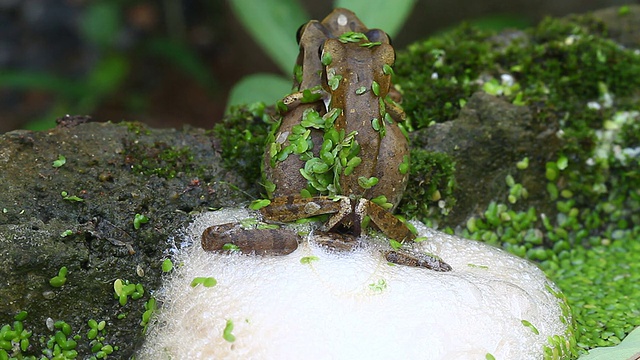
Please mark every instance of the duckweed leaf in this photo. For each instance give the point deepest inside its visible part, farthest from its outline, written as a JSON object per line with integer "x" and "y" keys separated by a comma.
{"x": 627, "y": 349}
{"x": 259, "y": 204}
{"x": 61, "y": 161}
{"x": 226, "y": 333}
{"x": 308, "y": 259}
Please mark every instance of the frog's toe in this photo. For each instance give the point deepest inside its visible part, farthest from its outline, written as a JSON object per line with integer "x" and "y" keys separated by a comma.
{"x": 417, "y": 260}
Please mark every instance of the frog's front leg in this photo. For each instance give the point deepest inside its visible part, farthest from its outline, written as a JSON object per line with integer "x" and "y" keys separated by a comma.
{"x": 294, "y": 207}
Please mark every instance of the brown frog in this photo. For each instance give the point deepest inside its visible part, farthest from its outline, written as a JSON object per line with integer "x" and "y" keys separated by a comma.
{"x": 338, "y": 150}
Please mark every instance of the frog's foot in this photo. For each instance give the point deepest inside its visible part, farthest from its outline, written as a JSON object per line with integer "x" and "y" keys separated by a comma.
{"x": 390, "y": 225}
{"x": 336, "y": 242}
{"x": 415, "y": 259}
{"x": 257, "y": 241}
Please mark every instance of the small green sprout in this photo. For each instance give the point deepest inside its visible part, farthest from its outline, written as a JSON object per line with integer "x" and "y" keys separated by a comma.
{"x": 226, "y": 333}
{"x": 205, "y": 281}
{"x": 60, "y": 279}
{"x": 61, "y": 161}
{"x": 395, "y": 244}
{"x": 124, "y": 289}
{"x": 66, "y": 233}
{"x": 370, "y": 44}
{"x": 353, "y": 37}
{"x": 404, "y": 165}
{"x": 488, "y": 356}
{"x": 530, "y": 326}
{"x": 259, "y": 204}
{"x": 269, "y": 186}
{"x": 378, "y": 286}
{"x": 376, "y": 124}
{"x": 523, "y": 164}
{"x": 308, "y": 259}
{"x": 382, "y": 202}
{"x": 334, "y": 82}
{"x": 167, "y": 265}
{"x": 562, "y": 162}
{"x": 138, "y": 220}
{"x": 150, "y": 307}
{"x": 326, "y": 59}
{"x": 420, "y": 239}
{"x": 94, "y": 327}
{"x": 361, "y": 90}
{"x": 387, "y": 69}
{"x": 375, "y": 87}
{"x": 230, "y": 247}
{"x": 66, "y": 196}
{"x": 12, "y": 338}
{"x": 367, "y": 183}
{"x": 552, "y": 171}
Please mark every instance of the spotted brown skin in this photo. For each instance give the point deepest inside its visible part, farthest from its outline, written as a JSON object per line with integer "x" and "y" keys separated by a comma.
{"x": 343, "y": 68}
{"x": 256, "y": 241}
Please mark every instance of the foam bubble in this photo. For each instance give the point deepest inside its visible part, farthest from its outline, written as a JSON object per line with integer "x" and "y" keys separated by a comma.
{"x": 353, "y": 305}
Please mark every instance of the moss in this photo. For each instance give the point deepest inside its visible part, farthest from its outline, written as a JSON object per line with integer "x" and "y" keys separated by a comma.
{"x": 430, "y": 187}
{"x": 162, "y": 160}
{"x": 243, "y": 134}
{"x": 436, "y": 75}
{"x": 572, "y": 76}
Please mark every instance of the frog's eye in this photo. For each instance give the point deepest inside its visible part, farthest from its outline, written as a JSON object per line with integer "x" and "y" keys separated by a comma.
{"x": 377, "y": 35}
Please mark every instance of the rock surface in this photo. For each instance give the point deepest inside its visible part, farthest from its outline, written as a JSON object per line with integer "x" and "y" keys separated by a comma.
{"x": 111, "y": 173}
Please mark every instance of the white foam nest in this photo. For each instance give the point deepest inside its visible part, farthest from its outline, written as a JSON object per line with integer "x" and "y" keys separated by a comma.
{"x": 353, "y": 305}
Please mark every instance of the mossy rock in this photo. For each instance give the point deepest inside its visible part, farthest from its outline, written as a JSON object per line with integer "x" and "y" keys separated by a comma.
{"x": 111, "y": 172}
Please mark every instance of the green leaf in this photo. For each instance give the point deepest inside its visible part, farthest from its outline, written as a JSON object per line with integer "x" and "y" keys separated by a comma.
{"x": 273, "y": 24}
{"x": 375, "y": 87}
{"x": 367, "y": 183}
{"x": 334, "y": 82}
{"x": 226, "y": 333}
{"x": 395, "y": 244}
{"x": 259, "y": 204}
{"x": 61, "y": 161}
{"x": 205, "y": 281}
{"x": 267, "y": 88}
{"x": 326, "y": 59}
{"x": 625, "y": 350}
{"x": 167, "y": 265}
{"x": 382, "y": 14}
{"x": 230, "y": 247}
{"x": 138, "y": 220}
{"x": 308, "y": 259}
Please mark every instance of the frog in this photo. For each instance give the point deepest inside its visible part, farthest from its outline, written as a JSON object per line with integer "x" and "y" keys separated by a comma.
{"x": 338, "y": 152}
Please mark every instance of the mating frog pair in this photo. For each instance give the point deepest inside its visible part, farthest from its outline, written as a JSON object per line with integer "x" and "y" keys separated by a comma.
{"x": 338, "y": 151}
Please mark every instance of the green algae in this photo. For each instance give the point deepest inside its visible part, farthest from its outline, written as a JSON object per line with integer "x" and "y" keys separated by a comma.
{"x": 578, "y": 81}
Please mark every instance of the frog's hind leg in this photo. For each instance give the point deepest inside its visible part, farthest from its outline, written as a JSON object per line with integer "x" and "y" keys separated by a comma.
{"x": 414, "y": 259}
{"x": 390, "y": 225}
{"x": 257, "y": 241}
